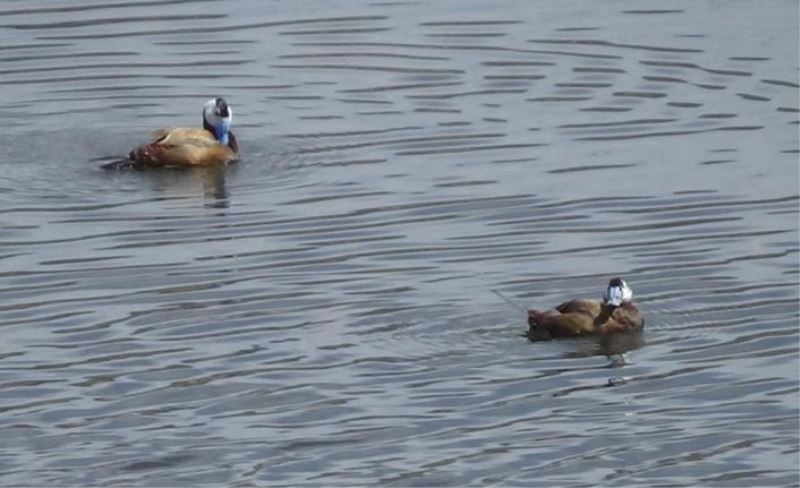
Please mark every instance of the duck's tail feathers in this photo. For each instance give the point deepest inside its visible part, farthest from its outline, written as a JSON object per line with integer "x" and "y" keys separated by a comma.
{"x": 535, "y": 317}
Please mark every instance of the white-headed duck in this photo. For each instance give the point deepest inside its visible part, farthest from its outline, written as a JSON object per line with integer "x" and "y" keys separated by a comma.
{"x": 213, "y": 144}
{"x": 614, "y": 313}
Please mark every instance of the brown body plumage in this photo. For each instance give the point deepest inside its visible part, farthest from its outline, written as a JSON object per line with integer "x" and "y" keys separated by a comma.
{"x": 587, "y": 317}
{"x": 213, "y": 144}
{"x": 185, "y": 147}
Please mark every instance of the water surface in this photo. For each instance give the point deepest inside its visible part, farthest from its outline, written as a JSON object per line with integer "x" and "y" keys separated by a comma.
{"x": 322, "y": 313}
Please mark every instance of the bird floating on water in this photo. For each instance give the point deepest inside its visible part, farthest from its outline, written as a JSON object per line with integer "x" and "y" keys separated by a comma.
{"x": 614, "y": 313}
{"x": 213, "y": 144}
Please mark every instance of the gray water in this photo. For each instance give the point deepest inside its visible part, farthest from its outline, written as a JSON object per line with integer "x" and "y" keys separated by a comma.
{"x": 323, "y": 312}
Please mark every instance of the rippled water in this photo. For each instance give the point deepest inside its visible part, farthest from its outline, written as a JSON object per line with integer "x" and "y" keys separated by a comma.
{"x": 322, "y": 313}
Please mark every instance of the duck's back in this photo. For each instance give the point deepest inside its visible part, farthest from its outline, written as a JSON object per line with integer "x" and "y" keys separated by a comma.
{"x": 572, "y": 318}
{"x": 625, "y": 318}
{"x": 183, "y": 147}
{"x": 583, "y": 317}
{"x": 592, "y": 308}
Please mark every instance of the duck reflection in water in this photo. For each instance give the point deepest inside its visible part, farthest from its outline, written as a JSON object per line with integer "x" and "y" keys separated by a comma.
{"x": 210, "y": 178}
{"x": 213, "y": 179}
{"x": 207, "y": 184}
{"x": 612, "y": 346}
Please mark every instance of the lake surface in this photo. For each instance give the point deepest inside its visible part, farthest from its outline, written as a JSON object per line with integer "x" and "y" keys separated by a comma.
{"x": 323, "y": 313}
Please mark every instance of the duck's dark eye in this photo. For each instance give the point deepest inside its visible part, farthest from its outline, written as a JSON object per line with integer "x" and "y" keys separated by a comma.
{"x": 222, "y": 107}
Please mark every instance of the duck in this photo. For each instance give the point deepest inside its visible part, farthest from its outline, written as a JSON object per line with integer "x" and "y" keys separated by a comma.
{"x": 213, "y": 144}
{"x": 615, "y": 313}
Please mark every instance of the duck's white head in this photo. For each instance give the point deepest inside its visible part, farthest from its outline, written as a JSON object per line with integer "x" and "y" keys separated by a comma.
{"x": 217, "y": 118}
{"x": 617, "y": 293}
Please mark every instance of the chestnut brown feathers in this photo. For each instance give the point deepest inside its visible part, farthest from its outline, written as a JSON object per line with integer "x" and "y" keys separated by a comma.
{"x": 615, "y": 313}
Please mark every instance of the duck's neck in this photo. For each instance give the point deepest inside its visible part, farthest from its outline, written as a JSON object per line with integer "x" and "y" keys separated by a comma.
{"x": 220, "y": 133}
{"x": 605, "y": 313}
